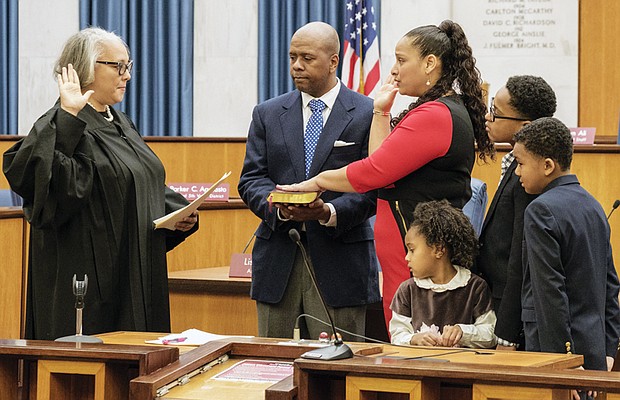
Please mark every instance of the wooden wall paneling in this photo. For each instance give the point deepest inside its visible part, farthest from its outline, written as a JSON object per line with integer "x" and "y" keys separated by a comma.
{"x": 221, "y": 233}
{"x": 5, "y": 144}
{"x": 11, "y": 278}
{"x": 599, "y": 76}
{"x": 220, "y": 313}
{"x": 25, "y": 264}
{"x": 200, "y": 161}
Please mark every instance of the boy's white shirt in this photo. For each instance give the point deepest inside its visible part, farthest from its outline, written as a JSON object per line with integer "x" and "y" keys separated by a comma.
{"x": 480, "y": 334}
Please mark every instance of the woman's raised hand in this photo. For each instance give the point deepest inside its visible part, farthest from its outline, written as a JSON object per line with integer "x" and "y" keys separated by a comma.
{"x": 72, "y": 100}
{"x": 384, "y": 99}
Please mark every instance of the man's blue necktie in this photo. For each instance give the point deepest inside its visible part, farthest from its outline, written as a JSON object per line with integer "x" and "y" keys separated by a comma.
{"x": 313, "y": 131}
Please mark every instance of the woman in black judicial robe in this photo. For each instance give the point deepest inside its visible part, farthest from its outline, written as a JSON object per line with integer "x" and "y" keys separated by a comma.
{"x": 91, "y": 190}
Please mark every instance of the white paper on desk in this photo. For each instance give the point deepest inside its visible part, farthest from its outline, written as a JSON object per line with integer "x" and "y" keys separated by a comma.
{"x": 193, "y": 337}
{"x": 168, "y": 221}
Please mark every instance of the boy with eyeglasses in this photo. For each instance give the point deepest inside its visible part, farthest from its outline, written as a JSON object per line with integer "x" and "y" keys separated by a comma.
{"x": 523, "y": 99}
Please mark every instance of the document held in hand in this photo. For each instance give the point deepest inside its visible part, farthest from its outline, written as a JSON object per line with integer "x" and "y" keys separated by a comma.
{"x": 168, "y": 221}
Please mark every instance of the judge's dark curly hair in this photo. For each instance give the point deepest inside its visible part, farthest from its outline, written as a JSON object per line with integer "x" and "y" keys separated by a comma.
{"x": 548, "y": 138}
{"x": 459, "y": 73}
{"x": 531, "y": 96}
{"x": 447, "y": 227}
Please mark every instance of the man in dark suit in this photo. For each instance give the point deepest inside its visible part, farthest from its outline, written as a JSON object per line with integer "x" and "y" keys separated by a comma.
{"x": 334, "y": 228}
{"x": 523, "y": 99}
{"x": 570, "y": 285}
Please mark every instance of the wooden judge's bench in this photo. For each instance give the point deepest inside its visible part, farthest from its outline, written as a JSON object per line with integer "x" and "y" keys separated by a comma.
{"x": 124, "y": 367}
{"x": 202, "y": 296}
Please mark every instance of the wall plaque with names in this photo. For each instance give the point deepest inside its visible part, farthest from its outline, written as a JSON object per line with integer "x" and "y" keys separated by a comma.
{"x": 525, "y": 37}
{"x": 191, "y": 191}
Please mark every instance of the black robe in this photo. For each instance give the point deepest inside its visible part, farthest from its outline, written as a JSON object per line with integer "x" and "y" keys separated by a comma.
{"x": 91, "y": 190}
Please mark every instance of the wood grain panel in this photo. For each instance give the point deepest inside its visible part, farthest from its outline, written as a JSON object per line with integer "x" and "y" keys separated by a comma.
{"x": 11, "y": 277}
{"x": 365, "y": 388}
{"x": 5, "y": 144}
{"x": 220, "y": 313}
{"x": 197, "y": 161}
{"x": 221, "y": 233}
{"x": 599, "y": 76}
{"x": 501, "y": 392}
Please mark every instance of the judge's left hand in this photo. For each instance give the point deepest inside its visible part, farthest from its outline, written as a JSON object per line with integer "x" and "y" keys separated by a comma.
{"x": 315, "y": 211}
{"x": 187, "y": 223}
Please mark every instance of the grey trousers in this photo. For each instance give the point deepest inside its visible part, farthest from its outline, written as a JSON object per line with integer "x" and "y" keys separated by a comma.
{"x": 278, "y": 320}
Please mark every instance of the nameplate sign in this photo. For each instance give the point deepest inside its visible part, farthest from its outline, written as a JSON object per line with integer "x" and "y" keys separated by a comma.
{"x": 583, "y": 135}
{"x": 191, "y": 191}
{"x": 240, "y": 265}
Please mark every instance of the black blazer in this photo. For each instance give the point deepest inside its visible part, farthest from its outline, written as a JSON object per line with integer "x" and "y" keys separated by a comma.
{"x": 570, "y": 285}
{"x": 500, "y": 258}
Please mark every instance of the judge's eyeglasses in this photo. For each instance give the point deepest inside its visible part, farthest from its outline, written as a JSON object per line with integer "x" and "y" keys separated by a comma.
{"x": 121, "y": 67}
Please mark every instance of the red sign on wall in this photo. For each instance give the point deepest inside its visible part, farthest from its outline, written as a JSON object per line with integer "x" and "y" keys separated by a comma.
{"x": 191, "y": 191}
{"x": 240, "y": 265}
{"x": 583, "y": 135}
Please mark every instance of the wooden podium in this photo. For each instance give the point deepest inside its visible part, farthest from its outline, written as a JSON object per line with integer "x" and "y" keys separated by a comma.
{"x": 455, "y": 374}
{"x": 53, "y": 370}
{"x": 42, "y": 370}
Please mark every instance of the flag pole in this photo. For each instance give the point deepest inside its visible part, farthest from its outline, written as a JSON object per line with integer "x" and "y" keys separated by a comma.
{"x": 361, "y": 48}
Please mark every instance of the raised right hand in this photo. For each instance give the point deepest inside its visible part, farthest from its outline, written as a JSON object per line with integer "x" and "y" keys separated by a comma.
{"x": 384, "y": 99}
{"x": 72, "y": 100}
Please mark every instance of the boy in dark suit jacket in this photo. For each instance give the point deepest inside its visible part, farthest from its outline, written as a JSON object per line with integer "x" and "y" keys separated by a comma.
{"x": 523, "y": 99}
{"x": 570, "y": 286}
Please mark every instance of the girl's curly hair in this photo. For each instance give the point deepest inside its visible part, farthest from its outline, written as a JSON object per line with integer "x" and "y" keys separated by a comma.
{"x": 447, "y": 227}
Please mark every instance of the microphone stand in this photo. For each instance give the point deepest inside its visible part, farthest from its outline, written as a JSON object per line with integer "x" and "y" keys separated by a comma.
{"x": 79, "y": 290}
{"x": 613, "y": 208}
{"x": 337, "y": 350}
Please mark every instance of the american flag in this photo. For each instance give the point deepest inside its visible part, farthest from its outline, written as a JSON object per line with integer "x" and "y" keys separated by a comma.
{"x": 361, "y": 65}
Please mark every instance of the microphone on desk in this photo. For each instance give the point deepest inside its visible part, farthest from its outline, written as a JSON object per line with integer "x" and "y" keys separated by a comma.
{"x": 613, "y": 208}
{"x": 79, "y": 291}
{"x": 337, "y": 350}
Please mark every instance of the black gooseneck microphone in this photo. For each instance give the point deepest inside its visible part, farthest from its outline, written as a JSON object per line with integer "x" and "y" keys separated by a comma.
{"x": 337, "y": 350}
{"x": 613, "y": 208}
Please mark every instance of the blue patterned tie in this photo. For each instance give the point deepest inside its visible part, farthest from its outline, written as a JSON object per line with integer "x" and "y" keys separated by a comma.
{"x": 313, "y": 131}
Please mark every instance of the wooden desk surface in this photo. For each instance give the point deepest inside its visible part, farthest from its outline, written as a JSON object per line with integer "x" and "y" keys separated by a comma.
{"x": 391, "y": 355}
{"x": 139, "y": 338}
{"x": 385, "y": 354}
{"x": 214, "y": 279}
{"x": 147, "y": 358}
{"x": 384, "y": 360}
